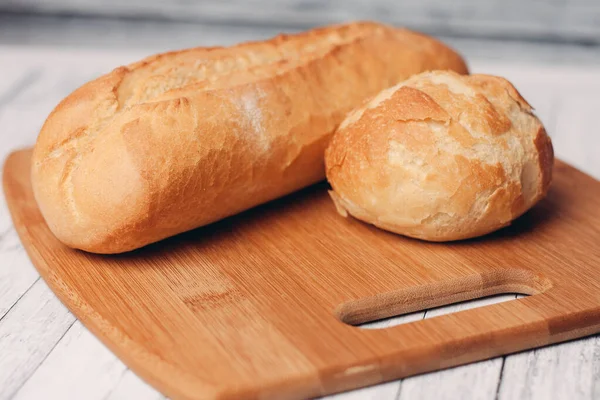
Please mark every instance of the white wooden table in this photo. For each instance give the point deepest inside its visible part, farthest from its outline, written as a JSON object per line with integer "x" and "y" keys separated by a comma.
{"x": 45, "y": 353}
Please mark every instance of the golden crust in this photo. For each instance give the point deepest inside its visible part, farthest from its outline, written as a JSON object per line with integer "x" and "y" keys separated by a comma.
{"x": 182, "y": 139}
{"x": 440, "y": 157}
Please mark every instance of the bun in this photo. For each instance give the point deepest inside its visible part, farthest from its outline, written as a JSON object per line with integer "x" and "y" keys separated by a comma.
{"x": 440, "y": 157}
{"x": 183, "y": 139}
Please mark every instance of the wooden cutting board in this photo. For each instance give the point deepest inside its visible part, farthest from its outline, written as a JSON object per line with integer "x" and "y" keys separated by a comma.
{"x": 260, "y": 305}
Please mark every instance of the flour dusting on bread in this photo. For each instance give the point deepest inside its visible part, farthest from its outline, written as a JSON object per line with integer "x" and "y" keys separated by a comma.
{"x": 251, "y": 111}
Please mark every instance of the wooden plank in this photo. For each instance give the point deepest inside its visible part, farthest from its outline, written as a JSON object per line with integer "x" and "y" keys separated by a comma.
{"x": 23, "y": 114}
{"x": 10, "y": 89}
{"x": 28, "y": 332}
{"x": 575, "y": 20}
{"x": 130, "y": 386}
{"x": 113, "y": 36}
{"x": 57, "y": 34}
{"x": 79, "y": 367}
{"x": 575, "y": 140}
{"x": 385, "y": 391}
{"x": 17, "y": 274}
{"x": 21, "y": 104}
{"x": 565, "y": 371}
{"x": 32, "y": 320}
{"x": 474, "y": 381}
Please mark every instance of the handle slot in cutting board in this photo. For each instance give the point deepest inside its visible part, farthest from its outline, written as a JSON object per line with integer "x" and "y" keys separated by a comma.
{"x": 421, "y": 298}
{"x": 252, "y": 306}
{"x": 436, "y": 312}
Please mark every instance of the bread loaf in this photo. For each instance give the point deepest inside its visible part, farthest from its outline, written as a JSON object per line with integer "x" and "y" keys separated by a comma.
{"x": 440, "y": 157}
{"x": 182, "y": 139}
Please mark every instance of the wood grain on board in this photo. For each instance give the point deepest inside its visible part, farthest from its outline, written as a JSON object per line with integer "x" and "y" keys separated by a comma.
{"x": 260, "y": 304}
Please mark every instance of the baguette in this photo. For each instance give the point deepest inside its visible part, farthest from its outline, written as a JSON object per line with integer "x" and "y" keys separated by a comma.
{"x": 182, "y": 139}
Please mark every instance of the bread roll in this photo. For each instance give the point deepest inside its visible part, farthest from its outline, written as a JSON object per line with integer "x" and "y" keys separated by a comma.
{"x": 182, "y": 139}
{"x": 440, "y": 157}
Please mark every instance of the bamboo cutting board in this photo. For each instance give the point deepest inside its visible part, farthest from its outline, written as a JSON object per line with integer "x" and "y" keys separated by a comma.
{"x": 261, "y": 305}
